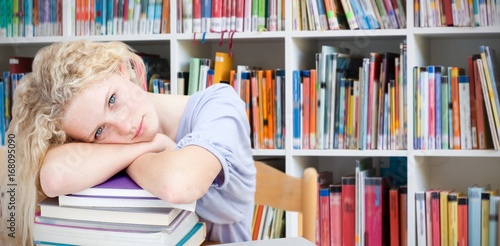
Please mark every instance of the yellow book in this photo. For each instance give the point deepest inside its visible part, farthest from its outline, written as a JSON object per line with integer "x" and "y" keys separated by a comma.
{"x": 443, "y": 218}
{"x": 222, "y": 67}
{"x": 491, "y": 93}
{"x": 452, "y": 217}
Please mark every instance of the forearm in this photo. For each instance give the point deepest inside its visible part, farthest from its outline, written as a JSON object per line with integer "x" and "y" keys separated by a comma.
{"x": 176, "y": 176}
{"x": 76, "y": 166}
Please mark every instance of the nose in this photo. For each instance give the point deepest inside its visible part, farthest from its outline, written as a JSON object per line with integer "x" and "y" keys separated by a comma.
{"x": 121, "y": 122}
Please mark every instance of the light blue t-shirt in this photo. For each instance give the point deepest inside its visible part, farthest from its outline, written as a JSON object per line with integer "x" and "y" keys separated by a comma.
{"x": 215, "y": 119}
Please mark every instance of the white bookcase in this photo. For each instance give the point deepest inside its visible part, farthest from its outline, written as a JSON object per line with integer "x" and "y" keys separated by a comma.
{"x": 291, "y": 50}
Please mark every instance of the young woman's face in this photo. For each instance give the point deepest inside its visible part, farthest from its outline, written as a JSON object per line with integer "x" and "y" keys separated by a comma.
{"x": 111, "y": 111}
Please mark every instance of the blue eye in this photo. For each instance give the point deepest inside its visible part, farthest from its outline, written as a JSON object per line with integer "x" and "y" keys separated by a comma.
{"x": 98, "y": 132}
{"x": 112, "y": 100}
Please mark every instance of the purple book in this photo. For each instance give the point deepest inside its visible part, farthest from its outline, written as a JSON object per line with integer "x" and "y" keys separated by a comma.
{"x": 120, "y": 185}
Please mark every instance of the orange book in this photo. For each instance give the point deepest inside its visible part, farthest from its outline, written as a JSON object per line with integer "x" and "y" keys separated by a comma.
{"x": 255, "y": 110}
{"x": 258, "y": 220}
{"x": 455, "y": 107}
{"x": 165, "y": 17}
{"x": 403, "y": 213}
{"x": 312, "y": 112}
{"x": 463, "y": 221}
{"x": 222, "y": 67}
{"x": 473, "y": 106}
{"x": 232, "y": 74}
{"x": 262, "y": 107}
{"x": 394, "y": 215}
{"x": 482, "y": 136}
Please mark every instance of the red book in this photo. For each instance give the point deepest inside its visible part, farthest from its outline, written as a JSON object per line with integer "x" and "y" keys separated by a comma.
{"x": 20, "y": 64}
{"x": 196, "y": 16}
{"x": 435, "y": 220}
{"x": 257, "y": 221}
{"x": 216, "y": 22}
{"x": 348, "y": 210}
{"x": 480, "y": 107}
{"x": 403, "y": 213}
{"x": 463, "y": 221}
{"x": 447, "y": 11}
{"x": 472, "y": 99}
{"x": 376, "y": 211}
{"x": 336, "y": 214}
{"x": 394, "y": 215}
{"x": 324, "y": 216}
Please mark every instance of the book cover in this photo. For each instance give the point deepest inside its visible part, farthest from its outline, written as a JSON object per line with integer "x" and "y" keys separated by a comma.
{"x": 435, "y": 217}
{"x": 452, "y": 219}
{"x": 474, "y": 213}
{"x": 377, "y": 211}
{"x": 394, "y": 212}
{"x": 403, "y": 215}
{"x": 119, "y": 185}
{"x": 463, "y": 221}
{"x": 336, "y": 214}
{"x": 420, "y": 214}
{"x": 348, "y": 210}
{"x": 324, "y": 213}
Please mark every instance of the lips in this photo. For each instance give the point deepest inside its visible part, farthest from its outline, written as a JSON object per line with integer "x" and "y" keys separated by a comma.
{"x": 140, "y": 129}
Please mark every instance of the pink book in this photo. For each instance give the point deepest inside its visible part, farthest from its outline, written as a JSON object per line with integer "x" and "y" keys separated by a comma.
{"x": 376, "y": 211}
{"x": 336, "y": 214}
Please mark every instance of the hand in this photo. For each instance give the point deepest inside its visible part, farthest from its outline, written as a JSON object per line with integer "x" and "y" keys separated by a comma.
{"x": 162, "y": 142}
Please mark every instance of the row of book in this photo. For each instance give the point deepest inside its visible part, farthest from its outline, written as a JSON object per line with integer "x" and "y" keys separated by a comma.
{"x": 455, "y": 109}
{"x": 348, "y": 14}
{"x": 262, "y": 90}
{"x": 200, "y": 16}
{"x": 364, "y": 208}
{"x": 351, "y": 102}
{"x": 449, "y": 217}
{"x": 34, "y": 18}
{"x": 431, "y": 13}
{"x": 30, "y": 18}
{"x": 267, "y": 223}
{"x": 116, "y": 212}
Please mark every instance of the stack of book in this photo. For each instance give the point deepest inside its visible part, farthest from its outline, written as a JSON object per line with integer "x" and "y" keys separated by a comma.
{"x": 116, "y": 212}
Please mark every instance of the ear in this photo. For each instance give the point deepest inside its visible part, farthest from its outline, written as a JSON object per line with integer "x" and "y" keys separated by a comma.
{"x": 124, "y": 70}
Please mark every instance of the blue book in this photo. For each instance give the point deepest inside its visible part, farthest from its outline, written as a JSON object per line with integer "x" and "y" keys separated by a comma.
{"x": 150, "y": 16}
{"x": 296, "y": 109}
{"x": 279, "y": 109}
{"x": 195, "y": 236}
{"x": 437, "y": 81}
{"x": 157, "y": 16}
{"x": 474, "y": 195}
{"x": 99, "y": 23}
{"x": 109, "y": 17}
{"x": 206, "y": 15}
{"x": 2, "y": 114}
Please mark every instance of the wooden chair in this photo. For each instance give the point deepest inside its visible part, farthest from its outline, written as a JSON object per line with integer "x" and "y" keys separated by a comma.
{"x": 280, "y": 190}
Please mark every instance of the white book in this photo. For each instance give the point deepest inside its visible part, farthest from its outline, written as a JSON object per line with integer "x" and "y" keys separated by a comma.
{"x": 420, "y": 218}
{"x": 247, "y": 16}
{"x": 187, "y": 16}
{"x": 46, "y": 231}
{"x": 49, "y": 207}
{"x": 465, "y": 122}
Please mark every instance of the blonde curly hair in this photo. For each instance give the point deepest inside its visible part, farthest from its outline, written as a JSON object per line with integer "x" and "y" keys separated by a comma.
{"x": 60, "y": 71}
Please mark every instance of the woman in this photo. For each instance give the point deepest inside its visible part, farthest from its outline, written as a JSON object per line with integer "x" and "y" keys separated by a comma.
{"x": 78, "y": 120}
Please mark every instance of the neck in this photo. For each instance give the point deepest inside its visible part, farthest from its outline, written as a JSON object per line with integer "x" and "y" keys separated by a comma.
{"x": 169, "y": 109}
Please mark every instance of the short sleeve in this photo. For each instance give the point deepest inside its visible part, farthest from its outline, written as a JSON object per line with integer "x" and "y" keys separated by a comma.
{"x": 216, "y": 120}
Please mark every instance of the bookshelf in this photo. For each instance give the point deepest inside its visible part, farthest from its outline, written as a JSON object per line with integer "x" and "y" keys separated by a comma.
{"x": 291, "y": 50}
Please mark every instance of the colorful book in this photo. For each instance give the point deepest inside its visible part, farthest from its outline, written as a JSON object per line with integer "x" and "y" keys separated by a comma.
{"x": 97, "y": 233}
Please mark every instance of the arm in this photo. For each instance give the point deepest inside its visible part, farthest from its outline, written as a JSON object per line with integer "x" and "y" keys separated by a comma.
{"x": 176, "y": 176}
{"x": 76, "y": 166}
